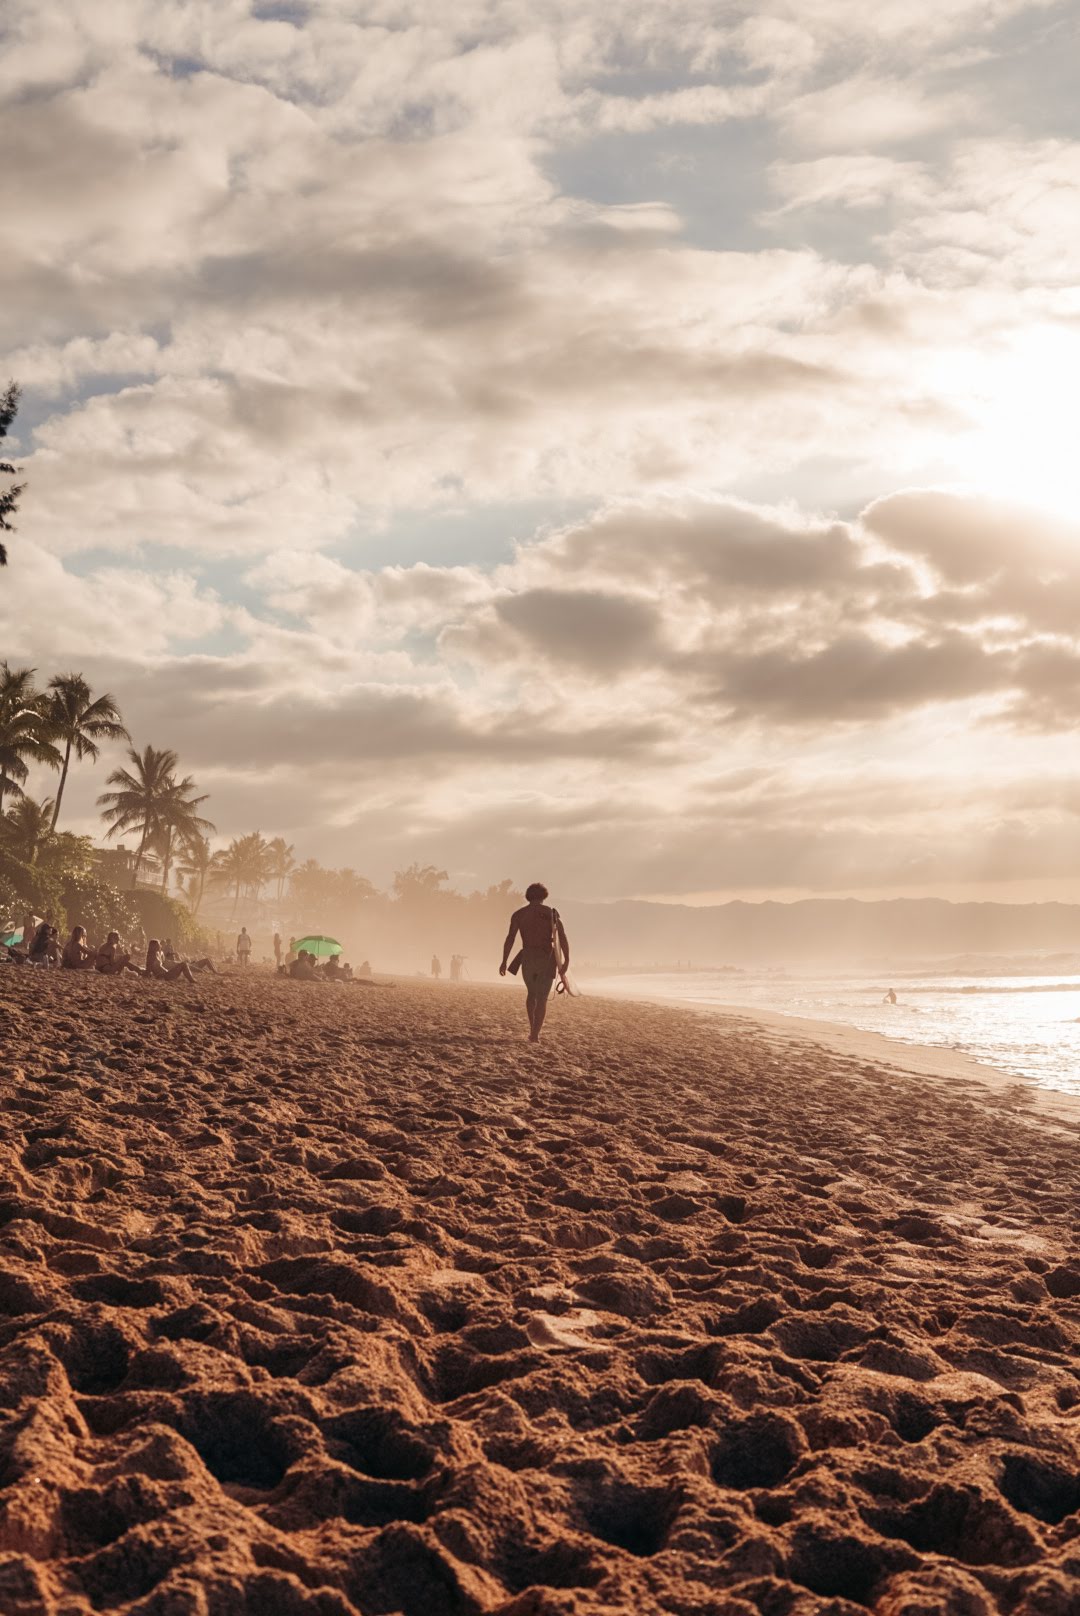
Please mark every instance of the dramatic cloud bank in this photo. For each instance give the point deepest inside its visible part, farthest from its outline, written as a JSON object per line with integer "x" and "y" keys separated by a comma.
{"x": 635, "y": 449}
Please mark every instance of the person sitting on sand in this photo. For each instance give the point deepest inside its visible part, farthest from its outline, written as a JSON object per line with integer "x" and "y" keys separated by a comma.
{"x": 111, "y": 958}
{"x": 77, "y": 955}
{"x": 302, "y": 968}
{"x": 545, "y": 953}
{"x": 365, "y": 968}
{"x": 155, "y": 965}
{"x": 45, "y": 946}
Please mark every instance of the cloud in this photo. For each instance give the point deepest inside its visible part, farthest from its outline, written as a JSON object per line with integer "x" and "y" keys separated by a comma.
{"x": 866, "y": 112}
{"x": 282, "y": 282}
{"x": 125, "y": 610}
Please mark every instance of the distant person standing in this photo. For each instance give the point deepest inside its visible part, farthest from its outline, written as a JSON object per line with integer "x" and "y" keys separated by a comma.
{"x": 545, "y": 953}
{"x": 436, "y": 966}
{"x": 243, "y": 949}
{"x": 277, "y": 950}
{"x": 890, "y": 997}
{"x": 455, "y": 967}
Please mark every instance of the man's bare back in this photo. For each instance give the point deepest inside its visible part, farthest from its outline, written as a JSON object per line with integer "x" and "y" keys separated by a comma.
{"x": 535, "y": 924}
{"x": 545, "y": 952}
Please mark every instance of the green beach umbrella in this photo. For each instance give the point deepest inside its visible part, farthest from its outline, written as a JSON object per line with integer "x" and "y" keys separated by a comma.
{"x": 318, "y": 945}
{"x": 12, "y": 938}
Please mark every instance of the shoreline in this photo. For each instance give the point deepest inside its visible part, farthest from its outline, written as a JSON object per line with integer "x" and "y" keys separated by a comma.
{"x": 926, "y": 1060}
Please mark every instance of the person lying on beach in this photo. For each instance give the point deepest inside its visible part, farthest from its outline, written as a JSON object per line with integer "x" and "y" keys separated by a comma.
{"x": 155, "y": 965}
{"x": 111, "y": 958}
{"x": 349, "y": 975}
{"x": 545, "y": 953}
{"x": 173, "y": 958}
{"x": 77, "y": 955}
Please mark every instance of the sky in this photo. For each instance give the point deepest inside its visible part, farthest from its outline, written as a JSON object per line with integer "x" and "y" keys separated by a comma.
{"x": 631, "y": 447}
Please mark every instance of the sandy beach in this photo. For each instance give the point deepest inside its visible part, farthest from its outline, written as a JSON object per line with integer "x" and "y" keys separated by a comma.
{"x": 317, "y": 1301}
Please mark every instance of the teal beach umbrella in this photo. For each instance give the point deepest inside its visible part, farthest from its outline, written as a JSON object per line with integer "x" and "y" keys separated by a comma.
{"x": 318, "y": 945}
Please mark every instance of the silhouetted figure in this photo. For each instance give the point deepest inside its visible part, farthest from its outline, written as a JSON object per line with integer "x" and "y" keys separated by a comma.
{"x": 545, "y": 953}
{"x": 890, "y": 997}
{"x": 455, "y": 967}
{"x": 243, "y": 949}
{"x": 436, "y": 966}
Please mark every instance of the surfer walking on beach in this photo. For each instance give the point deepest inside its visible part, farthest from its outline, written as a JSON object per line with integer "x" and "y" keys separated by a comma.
{"x": 545, "y": 953}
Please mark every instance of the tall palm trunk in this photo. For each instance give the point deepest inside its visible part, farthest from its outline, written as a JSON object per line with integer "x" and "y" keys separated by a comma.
{"x": 166, "y": 863}
{"x": 138, "y": 858}
{"x": 236, "y": 900}
{"x": 60, "y": 787}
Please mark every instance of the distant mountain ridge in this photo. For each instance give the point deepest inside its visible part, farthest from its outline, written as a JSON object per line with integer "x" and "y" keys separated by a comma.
{"x": 830, "y": 930}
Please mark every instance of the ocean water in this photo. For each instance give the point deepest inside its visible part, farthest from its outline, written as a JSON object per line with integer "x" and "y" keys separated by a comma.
{"x": 1027, "y": 1026}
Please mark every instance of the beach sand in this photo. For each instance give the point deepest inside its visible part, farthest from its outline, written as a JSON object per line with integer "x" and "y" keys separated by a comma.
{"x": 322, "y": 1300}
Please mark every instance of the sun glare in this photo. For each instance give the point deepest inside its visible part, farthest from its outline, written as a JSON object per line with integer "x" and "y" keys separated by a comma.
{"x": 1023, "y": 404}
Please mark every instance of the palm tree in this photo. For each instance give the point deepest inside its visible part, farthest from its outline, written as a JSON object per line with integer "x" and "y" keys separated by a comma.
{"x": 151, "y": 801}
{"x": 228, "y": 868}
{"x": 139, "y": 799}
{"x": 79, "y": 721}
{"x": 244, "y": 863}
{"x": 259, "y": 862}
{"x": 24, "y": 731}
{"x": 281, "y": 863}
{"x": 195, "y": 864}
{"x": 178, "y": 824}
{"x": 26, "y": 827}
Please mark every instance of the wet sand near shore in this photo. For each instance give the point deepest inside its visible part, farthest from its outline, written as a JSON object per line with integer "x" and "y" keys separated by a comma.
{"x": 317, "y": 1301}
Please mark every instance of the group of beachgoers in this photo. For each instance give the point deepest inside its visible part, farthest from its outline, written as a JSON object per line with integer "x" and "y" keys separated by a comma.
{"x": 306, "y": 968}
{"x": 543, "y": 957}
{"x": 42, "y": 948}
